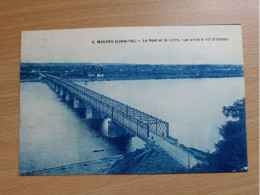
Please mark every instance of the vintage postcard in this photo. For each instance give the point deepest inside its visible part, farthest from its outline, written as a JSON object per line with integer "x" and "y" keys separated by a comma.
{"x": 132, "y": 100}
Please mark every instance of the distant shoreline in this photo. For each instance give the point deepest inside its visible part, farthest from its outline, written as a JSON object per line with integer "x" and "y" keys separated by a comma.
{"x": 122, "y": 79}
{"x": 129, "y": 72}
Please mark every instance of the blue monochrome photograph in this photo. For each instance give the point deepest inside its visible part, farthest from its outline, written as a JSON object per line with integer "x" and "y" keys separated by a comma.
{"x": 132, "y": 100}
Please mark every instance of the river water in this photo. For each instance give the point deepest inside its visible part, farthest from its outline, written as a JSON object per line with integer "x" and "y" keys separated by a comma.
{"x": 53, "y": 134}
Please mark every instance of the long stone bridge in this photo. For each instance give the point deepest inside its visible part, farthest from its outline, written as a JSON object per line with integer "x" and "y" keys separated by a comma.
{"x": 125, "y": 120}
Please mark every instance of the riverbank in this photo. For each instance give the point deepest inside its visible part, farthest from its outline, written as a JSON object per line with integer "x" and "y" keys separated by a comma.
{"x": 150, "y": 161}
{"x": 91, "y": 167}
{"x": 141, "y": 161}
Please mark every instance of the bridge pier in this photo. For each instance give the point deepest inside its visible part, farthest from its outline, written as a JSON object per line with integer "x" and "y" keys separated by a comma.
{"x": 115, "y": 131}
{"x": 61, "y": 91}
{"x": 92, "y": 113}
{"x": 67, "y": 97}
{"x": 77, "y": 103}
{"x": 57, "y": 88}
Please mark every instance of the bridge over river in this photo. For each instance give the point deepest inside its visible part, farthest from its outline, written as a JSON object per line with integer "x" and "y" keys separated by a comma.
{"x": 125, "y": 120}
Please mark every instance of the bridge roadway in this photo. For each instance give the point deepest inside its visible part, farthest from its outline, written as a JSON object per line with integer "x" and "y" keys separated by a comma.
{"x": 145, "y": 126}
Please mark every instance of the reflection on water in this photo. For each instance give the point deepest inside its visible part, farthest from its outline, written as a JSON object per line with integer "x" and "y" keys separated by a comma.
{"x": 193, "y": 107}
{"x": 53, "y": 134}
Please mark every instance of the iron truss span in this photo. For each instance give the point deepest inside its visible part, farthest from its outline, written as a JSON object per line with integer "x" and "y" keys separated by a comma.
{"x": 129, "y": 118}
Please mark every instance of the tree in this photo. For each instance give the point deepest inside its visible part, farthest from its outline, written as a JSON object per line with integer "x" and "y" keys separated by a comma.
{"x": 231, "y": 151}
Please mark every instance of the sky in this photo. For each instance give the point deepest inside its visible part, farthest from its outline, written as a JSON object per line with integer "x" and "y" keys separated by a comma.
{"x": 80, "y": 45}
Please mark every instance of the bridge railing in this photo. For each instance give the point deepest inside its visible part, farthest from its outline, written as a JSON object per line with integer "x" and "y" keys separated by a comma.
{"x": 126, "y": 116}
